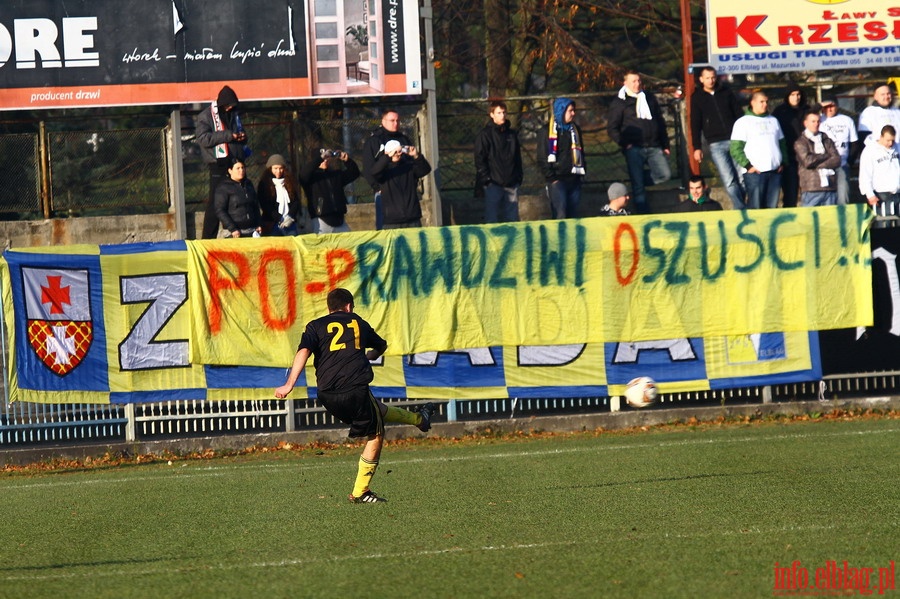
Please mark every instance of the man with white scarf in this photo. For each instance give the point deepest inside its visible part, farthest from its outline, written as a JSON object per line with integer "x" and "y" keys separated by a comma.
{"x": 636, "y": 123}
{"x": 817, "y": 163}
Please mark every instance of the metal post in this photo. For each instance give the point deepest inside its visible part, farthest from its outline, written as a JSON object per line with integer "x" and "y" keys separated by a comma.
{"x": 130, "y": 424}
{"x": 687, "y": 52}
{"x": 428, "y": 120}
{"x": 174, "y": 157}
{"x": 451, "y": 410}
{"x": 46, "y": 184}
{"x": 3, "y": 332}
{"x": 290, "y": 408}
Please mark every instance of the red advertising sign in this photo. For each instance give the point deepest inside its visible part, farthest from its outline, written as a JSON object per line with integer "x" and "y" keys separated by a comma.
{"x": 802, "y": 35}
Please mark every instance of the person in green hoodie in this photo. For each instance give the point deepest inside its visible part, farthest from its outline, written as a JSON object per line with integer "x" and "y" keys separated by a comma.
{"x": 758, "y": 148}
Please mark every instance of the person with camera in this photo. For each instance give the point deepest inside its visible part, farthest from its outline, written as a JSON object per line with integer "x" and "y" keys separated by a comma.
{"x": 374, "y": 147}
{"x": 398, "y": 170}
{"x": 323, "y": 178}
{"x": 236, "y": 205}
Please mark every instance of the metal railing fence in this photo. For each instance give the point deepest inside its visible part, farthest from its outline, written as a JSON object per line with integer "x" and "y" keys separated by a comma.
{"x": 30, "y": 424}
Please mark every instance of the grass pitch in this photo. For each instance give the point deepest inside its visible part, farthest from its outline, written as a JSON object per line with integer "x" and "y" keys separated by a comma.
{"x": 685, "y": 512}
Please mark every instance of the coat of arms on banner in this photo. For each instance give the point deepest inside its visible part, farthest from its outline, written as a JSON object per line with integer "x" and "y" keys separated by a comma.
{"x": 57, "y": 303}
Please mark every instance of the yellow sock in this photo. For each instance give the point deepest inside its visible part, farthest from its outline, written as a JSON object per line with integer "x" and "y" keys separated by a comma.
{"x": 402, "y": 416}
{"x": 364, "y": 476}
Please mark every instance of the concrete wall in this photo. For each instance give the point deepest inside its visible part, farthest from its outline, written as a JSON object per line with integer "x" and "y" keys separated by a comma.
{"x": 161, "y": 227}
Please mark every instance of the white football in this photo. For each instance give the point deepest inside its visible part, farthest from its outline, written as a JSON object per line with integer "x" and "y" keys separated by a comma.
{"x": 640, "y": 392}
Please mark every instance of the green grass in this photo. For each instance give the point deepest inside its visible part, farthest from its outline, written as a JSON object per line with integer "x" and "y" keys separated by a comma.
{"x": 690, "y": 512}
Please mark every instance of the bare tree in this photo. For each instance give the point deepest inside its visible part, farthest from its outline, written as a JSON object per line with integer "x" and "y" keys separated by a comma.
{"x": 529, "y": 45}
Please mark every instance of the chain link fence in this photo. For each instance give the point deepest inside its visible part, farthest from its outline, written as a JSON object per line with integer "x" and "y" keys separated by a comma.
{"x": 108, "y": 173}
{"x": 103, "y": 165}
{"x": 460, "y": 121}
{"x": 20, "y": 195}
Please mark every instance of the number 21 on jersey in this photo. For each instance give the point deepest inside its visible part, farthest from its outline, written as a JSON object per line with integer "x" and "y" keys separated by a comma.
{"x": 338, "y": 330}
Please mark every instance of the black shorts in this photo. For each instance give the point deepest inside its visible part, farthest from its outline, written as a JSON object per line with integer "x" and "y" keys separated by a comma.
{"x": 356, "y": 407}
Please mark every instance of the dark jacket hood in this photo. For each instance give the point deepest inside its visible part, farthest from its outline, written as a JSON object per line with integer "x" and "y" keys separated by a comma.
{"x": 794, "y": 87}
{"x": 227, "y": 97}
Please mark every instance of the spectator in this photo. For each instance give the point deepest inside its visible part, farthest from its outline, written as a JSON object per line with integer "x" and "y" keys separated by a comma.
{"x": 757, "y": 146}
{"x": 636, "y": 123}
{"x": 842, "y": 131}
{"x": 374, "y": 147}
{"x": 498, "y": 167}
{"x": 879, "y": 173}
{"x": 714, "y": 110}
{"x": 561, "y": 156}
{"x": 222, "y": 139}
{"x": 324, "y": 177}
{"x": 882, "y": 112}
{"x": 817, "y": 163}
{"x": 397, "y": 171}
{"x": 279, "y": 200}
{"x": 790, "y": 116}
{"x": 236, "y": 205}
{"x": 618, "y": 198}
{"x": 698, "y": 199}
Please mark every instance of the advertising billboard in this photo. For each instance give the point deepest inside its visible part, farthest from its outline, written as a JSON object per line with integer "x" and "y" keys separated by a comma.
{"x": 83, "y": 53}
{"x": 802, "y": 35}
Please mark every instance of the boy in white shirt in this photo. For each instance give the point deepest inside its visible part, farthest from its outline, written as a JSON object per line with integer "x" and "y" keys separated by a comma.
{"x": 879, "y": 173}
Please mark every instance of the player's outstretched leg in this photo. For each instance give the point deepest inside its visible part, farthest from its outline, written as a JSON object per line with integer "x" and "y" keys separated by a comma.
{"x": 420, "y": 419}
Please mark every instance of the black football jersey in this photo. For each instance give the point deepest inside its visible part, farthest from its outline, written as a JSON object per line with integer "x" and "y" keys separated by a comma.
{"x": 339, "y": 342}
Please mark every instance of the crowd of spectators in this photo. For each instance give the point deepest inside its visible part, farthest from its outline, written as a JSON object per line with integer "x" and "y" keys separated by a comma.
{"x": 797, "y": 154}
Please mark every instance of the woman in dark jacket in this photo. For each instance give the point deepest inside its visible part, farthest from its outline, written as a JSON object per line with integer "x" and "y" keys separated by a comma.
{"x": 279, "y": 199}
{"x": 236, "y": 205}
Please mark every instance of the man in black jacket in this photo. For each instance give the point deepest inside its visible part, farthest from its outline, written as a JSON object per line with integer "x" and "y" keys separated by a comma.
{"x": 560, "y": 152}
{"x": 374, "y": 147}
{"x": 636, "y": 123}
{"x": 714, "y": 109}
{"x": 397, "y": 171}
{"x": 498, "y": 167}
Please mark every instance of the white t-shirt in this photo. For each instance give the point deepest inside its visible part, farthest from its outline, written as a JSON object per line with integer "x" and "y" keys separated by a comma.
{"x": 879, "y": 169}
{"x": 761, "y": 135}
{"x": 874, "y": 117}
{"x": 841, "y": 130}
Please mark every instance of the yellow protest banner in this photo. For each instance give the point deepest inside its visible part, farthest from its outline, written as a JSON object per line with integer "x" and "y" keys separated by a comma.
{"x": 538, "y": 283}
